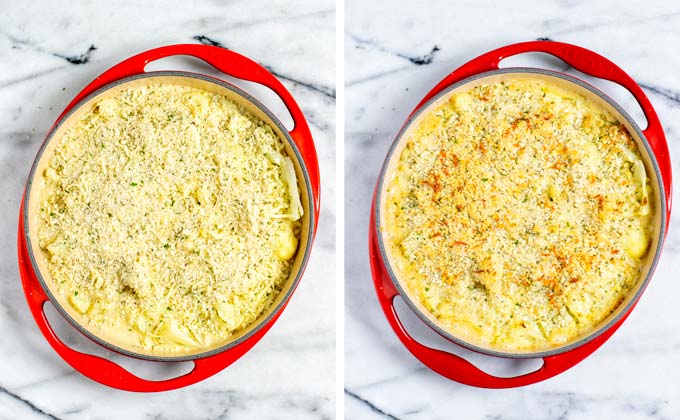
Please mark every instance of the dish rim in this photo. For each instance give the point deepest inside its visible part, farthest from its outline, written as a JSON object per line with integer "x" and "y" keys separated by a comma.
{"x": 287, "y": 293}
{"x": 599, "y": 328}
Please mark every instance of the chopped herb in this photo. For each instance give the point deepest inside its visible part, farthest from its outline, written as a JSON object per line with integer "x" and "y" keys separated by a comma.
{"x": 134, "y": 184}
{"x": 166, "y": 246}
{"x": 75, "y": 293}
{"x": 52, "y": 214}
{"x": 485, "y": 179}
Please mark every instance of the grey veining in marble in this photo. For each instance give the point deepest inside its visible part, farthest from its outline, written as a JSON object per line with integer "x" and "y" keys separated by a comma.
{"x": 393, "y": 56}
{"x": 49, "y": 51}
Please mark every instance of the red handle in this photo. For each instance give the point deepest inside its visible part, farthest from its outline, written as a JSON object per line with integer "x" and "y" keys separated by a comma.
{"x": 587, "y": 62}
{"x": 455, "y": 367}
{"x": 232, "y": 64}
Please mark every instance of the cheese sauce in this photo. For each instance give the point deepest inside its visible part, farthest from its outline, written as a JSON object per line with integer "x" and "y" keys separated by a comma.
{"x": 518, "y": 215}
{"x": 169, "y": 217}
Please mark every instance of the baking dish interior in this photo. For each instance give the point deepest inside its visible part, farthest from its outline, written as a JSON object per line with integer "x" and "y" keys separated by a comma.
{"x": 35, "y": 184}
{"x": 391, "y": 261}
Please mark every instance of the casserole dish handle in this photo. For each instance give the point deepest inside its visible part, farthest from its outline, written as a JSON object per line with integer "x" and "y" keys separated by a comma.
{"x": 232, "y": 64}
{"x": 105, "y": 371}
{"x": 455, "y": 367}
{"x": 587, "y": 62}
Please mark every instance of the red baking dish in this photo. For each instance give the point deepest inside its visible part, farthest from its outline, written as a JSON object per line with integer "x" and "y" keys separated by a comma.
{"x": 654, "y": 149}
{"x": 300, "y": 146}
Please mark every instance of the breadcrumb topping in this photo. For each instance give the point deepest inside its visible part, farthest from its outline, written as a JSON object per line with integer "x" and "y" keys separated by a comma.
{"x": 518, "y": 215}
{"x": 169, "y": 217}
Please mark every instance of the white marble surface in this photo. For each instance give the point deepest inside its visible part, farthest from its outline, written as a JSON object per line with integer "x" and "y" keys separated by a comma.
{"x": 290, "y": 373}
{"x": 636, "y": 374}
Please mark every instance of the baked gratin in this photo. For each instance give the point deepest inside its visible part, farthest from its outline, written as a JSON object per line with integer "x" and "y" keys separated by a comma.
{"x": 169, "y": 217}
{"x": 518, "y": 215}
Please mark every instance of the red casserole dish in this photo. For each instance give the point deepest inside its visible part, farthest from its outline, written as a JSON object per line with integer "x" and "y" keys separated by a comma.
{"x": 652, "y": 145}
{"x": 301, "y": 149}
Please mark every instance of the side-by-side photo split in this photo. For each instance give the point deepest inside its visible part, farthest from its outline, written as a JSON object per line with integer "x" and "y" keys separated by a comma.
{"x": 299, "y": 210}
{"x": 508, "y": 184}
{"x": 169, "y": 168}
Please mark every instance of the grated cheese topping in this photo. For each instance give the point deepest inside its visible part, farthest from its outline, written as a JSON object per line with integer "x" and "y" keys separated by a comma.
{"x": 518, "y": 215}
{"x": 169, "y": 217}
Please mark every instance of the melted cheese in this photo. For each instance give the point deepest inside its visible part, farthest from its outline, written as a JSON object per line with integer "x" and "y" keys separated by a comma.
{"x": 169, "y": 217}
{"x": 518, "y": 215}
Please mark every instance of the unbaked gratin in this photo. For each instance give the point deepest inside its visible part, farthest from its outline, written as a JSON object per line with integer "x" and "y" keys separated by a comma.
{"x": 518, "y": 215}
{"x": 169, "y": 217}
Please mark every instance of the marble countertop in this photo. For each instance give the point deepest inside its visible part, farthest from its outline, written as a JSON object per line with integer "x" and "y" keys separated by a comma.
{"x": 49, "y": 52}
{"x": 394, "y": 55}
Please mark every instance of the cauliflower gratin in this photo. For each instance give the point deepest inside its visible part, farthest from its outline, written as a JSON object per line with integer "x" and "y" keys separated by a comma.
{"x": 169, "y": 218}
{"x": 518, "y": 215}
